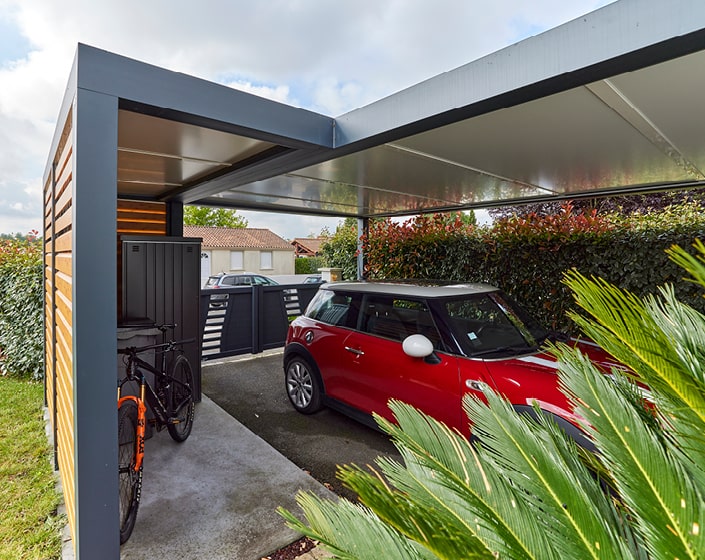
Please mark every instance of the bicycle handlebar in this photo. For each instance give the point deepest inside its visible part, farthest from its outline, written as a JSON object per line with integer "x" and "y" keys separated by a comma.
{"x": 133, "y": 350}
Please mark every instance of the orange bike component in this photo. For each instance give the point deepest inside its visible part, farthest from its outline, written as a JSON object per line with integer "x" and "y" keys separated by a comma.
{"x": 141, "y": 425}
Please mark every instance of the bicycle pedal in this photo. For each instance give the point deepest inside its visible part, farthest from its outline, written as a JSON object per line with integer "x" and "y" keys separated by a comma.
{"x": 174, "y": 421}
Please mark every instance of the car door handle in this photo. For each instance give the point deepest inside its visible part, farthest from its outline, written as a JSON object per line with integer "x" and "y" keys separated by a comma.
{"x": 355, "y": 351}
{"x": 475, "y": 385}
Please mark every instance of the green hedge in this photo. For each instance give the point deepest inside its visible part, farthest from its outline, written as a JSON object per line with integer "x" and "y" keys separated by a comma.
{"x": 528, "y": 257}
{"x": 308, "y": 265}
{"x": 21, "y": 300}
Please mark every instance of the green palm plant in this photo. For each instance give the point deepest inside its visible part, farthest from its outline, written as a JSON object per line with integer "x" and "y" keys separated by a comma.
{"x": 522, "y": 490}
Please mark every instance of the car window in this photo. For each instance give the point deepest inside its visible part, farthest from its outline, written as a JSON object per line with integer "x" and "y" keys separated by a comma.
{"x": 212, "y": 281}
{"x": 397, "y": 318}
{"x": 331, "y": 308}
{"x": 228, "y": 281}
{"x": 484, "y": 323}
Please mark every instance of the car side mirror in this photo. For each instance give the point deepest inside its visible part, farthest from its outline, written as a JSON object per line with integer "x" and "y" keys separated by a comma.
{"x": 417, "y": 346}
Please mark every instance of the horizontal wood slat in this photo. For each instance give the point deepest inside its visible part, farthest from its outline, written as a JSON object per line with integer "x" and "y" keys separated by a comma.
{"x": 58, "y": 311}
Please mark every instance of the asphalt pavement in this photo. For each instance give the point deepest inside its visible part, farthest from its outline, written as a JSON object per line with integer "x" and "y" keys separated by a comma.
{"x": 251, "y": 389}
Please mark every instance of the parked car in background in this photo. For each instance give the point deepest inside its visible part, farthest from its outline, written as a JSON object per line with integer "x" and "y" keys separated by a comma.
{"x": 314, "y": 279}
{"x": 232, "y": 281}
{"x": 358, "y": 345}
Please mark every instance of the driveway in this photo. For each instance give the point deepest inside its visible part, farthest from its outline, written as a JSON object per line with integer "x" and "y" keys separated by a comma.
{"x": 251, "y": 389}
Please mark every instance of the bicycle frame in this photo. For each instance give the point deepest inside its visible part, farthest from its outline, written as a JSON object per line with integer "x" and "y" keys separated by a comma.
{"x": 136, "y": 367}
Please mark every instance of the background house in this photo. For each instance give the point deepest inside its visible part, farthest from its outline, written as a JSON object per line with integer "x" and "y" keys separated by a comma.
{"x": 242, "y": 250}
{"x": 308, "y": 246}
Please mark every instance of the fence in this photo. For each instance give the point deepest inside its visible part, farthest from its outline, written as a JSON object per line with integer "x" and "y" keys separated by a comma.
{"x": 249, "y": 319}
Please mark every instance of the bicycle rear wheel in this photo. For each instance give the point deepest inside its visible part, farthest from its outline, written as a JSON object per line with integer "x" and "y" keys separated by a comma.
{"x": 180, "y": 400}
{"x": 130, "y": 480}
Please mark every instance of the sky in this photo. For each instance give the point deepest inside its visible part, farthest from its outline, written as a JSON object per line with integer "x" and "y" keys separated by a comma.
{"x": 329, "y": 56}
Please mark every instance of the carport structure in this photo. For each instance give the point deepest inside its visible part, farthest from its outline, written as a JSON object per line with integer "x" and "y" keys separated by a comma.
{"x": 609, "y": 103}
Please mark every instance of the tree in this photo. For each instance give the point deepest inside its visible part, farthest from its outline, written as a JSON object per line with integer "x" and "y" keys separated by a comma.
{"x": 521, "y": 490}
{"x": 213, "y": 217}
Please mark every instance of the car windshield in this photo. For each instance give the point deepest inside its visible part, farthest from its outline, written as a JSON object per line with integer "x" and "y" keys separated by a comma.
{"x": 492, "y": 325}
{"x": 212, "y": 281}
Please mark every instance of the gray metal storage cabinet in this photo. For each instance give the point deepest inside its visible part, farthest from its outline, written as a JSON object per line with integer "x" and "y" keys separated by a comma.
{"x": 161, "y": 281}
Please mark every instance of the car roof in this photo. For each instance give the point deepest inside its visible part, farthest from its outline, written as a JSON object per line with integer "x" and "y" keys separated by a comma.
{"x": 406, "y": 289}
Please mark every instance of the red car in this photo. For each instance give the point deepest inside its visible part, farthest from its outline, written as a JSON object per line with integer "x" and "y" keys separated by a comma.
{"x": 360, "y": 344}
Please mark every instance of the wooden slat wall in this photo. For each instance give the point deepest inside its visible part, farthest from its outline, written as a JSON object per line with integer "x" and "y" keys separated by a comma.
{"x": 137, "y": 217}
{"x": 141, "y": 217}
{"x": 58, "y": 277}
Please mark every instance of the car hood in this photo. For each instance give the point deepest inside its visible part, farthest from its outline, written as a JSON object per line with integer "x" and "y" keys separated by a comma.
{"x": 545, "y": 362}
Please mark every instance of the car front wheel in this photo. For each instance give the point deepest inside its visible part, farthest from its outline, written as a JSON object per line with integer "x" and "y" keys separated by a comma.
{"x": 303, "y": 386}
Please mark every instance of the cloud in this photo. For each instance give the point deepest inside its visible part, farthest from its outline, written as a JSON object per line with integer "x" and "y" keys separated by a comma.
{"x": 322, "y": 55}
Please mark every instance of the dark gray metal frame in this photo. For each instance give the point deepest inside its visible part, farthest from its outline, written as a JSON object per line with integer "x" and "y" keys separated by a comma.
{"x": 100, "y": 83}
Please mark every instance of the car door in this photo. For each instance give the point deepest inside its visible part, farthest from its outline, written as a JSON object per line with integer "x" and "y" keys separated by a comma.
{"x": 375, "y": 368}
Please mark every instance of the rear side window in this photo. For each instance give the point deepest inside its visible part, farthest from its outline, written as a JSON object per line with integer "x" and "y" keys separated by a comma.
{"x": 396, "y": 318}
{"x": 331, "y": 308}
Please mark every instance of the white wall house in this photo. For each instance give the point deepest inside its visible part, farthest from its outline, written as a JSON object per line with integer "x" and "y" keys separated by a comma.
{"x": 241, "y": 250}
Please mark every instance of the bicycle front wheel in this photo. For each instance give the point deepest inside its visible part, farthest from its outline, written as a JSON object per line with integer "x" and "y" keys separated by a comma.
{"x": 180, "y": 400}
{"x": 130, "y": 479}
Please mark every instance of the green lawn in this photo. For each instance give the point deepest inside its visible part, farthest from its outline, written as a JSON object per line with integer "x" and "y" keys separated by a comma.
{"x": 29, "y": 525}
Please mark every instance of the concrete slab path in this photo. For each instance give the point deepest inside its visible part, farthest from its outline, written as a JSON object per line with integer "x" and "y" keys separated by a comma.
{"x": 215, "y": 495}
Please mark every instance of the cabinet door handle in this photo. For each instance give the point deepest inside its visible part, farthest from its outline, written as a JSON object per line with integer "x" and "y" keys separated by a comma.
{"x": 355, "y": 351}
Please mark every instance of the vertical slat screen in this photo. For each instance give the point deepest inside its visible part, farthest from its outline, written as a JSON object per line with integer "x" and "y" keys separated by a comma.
{"x": 58, "y": 281}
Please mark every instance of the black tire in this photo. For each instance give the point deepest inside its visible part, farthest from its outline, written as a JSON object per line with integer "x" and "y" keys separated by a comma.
{"x": 180, "y": 400}
{"x": 303, "y": 385}
{"x": 130, "y": 481}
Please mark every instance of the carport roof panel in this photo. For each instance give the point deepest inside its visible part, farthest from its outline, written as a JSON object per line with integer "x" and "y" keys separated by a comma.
{"x": 531, "y": 124}
{"x": 157, "y": 155}
{"x": 610, "y": 102}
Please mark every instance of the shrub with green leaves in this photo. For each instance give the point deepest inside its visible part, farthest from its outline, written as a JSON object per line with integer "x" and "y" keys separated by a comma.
{"x": 21, "y": 299}
{"x": 522, "y": 492}
{"x": 340, "y": 249}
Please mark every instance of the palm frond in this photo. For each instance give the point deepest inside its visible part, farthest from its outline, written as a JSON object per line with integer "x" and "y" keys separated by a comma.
{"x": 351, "y": 531}
{"x": 557, "y": 487}
{"x": 443, "y": 471}
{"x": 695, "y": 265}
{"x": 630, "y": 330}
{"x": 426, "y": 521}
{"x": 683, "y": 330}
{"x": 665, "y": 505}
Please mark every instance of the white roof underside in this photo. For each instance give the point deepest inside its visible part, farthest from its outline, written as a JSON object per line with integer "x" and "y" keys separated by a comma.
{"x": 612, "y": 102}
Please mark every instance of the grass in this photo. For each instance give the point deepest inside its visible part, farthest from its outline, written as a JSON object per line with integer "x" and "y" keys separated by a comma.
{"x": 29, "y": 525}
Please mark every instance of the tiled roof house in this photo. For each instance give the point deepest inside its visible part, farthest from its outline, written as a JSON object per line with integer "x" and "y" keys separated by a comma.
{"x": 237, "y": 250}
{"x": 308, "y": 246}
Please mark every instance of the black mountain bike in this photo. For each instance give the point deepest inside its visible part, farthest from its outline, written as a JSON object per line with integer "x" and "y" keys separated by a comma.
{"x": 170, "y": 398}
